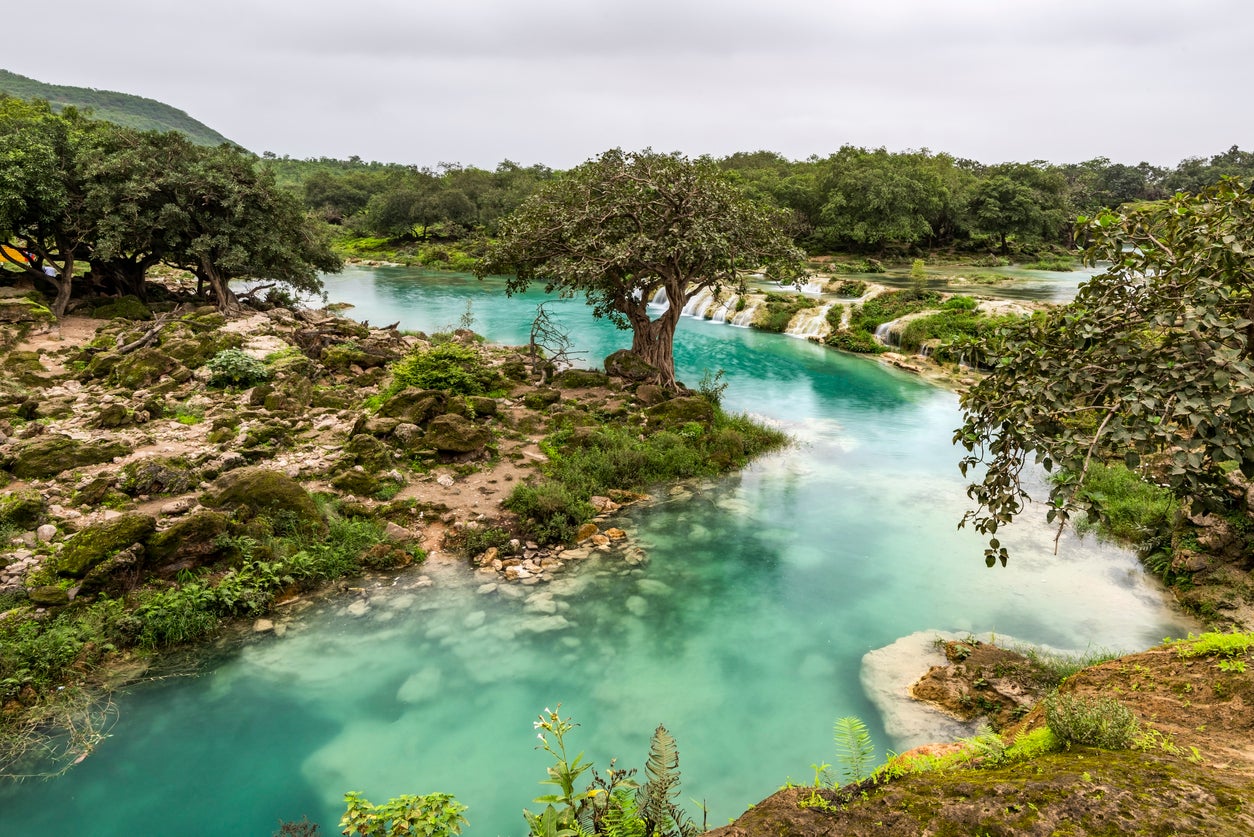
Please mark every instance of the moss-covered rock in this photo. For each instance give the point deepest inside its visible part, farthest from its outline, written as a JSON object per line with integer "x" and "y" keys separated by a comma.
{"x": 580, "y": 379}
{"x": 48, "y": 595}
{"x": 116, "y": 574}
{"x": 629, "y": 366}
{"x": 472, "y": 406}
{"x": 195, "y": 350}
{"x": 158, "y": 476}
{"x": 650, "y": 394}
{"x": 23, "y": 509}
{"x": 260, "y": 491}
{"x": 25, "y": 311}
{"x": 416, "y": 406}
{"x": 454, "y": 434}
{"x": 112, "y": 416}
{"x": 539, "y": 399}
{"x": 24, "y": 367}
{"x": 46, "y": 456}
{"x": 355, "y": 480}
{"x": 680, "y": 411}
{"x": 96, "y": 543}
{"x": 194, "y": 538}
{"x": 143, "y": 368}
{"x": 126, "y": 308}
{"x": 368, "y": 452}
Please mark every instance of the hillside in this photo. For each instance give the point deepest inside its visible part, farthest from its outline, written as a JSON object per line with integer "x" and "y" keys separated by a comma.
{"x": 121, "y": 108}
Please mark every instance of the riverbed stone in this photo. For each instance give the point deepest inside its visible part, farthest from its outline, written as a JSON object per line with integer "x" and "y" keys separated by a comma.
{"x": 423, "y": 685}
{"x": 629, "y": 366}
{"x": 48, "y": 595}
{"x": 636, "y": 605}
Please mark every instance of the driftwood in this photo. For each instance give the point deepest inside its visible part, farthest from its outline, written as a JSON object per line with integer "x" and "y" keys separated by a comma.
{"x": 150, "y": 336}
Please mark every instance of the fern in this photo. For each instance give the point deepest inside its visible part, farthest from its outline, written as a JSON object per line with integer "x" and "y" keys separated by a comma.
{"x": 656, "y": 797}
{"x": 622, "y": 818}
{"x": 853, "y": 748}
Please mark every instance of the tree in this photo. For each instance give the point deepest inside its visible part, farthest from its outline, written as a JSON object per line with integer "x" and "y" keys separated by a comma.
{"x": 42, "y": 220}
{"x": 620, "y": 227}
{"x": 1153, "y": 362}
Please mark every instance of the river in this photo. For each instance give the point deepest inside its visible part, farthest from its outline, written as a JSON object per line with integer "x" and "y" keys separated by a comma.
{"x": 744, "y": 634}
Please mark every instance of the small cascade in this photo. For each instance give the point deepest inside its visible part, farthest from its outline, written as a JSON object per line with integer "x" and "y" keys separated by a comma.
{"x": 745, "y": 317}
{"x": 811, "y": 323}
{"x": 699, "y": 304}
{"x": 723, "y": 311}
{"x": 811, "y": 288}
{"x": 660, "y": 299}
{"x": 888, "y": 333}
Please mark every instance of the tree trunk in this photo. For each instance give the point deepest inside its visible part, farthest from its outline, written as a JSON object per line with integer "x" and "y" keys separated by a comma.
{"x": 654, "y": 340}
{"x": 125, "y": 278}
{"x": 223, "y": 297}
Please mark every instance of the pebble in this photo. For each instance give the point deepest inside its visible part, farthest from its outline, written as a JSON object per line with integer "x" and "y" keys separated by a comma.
{"x": 46, "y": 532}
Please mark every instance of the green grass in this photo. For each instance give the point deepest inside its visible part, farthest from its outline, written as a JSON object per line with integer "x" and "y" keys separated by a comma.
{"x": 1128, "y": 508}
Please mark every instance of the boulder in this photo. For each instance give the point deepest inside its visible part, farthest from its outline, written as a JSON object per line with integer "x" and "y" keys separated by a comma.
{"x": 95, "y": 544}
{"x": 48, "y": 595}
{"x": 22, "y": 509}
{"x": 538, "y": 399}
{"x": 49, "y": 455}
{"x": 414, "y": 405}
{"x": 144, "y": 368}
{"x": 629, "y": 366}
{"x": 454, "y": 434}
{"x": 650, "y": 394}
{"x": 368, "y": 452}
{"x": 193, "y": 538}
{"x": 114, "y": 415}
{"x": 115, "y": 575}
{"x": 580, "y": 379}
{"x": 681, "y": 410}
{"x": 260, "y": 491}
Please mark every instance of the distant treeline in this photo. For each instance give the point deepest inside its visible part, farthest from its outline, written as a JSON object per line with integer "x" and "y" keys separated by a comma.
{"x": 856, "y": 200}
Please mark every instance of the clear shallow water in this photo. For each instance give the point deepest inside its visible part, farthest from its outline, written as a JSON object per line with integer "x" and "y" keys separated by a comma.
{"x": 743, "y": 634}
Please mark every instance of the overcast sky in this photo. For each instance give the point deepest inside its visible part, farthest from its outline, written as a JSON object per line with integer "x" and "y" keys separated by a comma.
{"x": 559, "y": 81}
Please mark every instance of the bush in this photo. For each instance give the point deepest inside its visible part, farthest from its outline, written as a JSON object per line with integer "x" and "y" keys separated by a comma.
{"x": 231, "y": 367}
{"x": 846, "y": 287}
{"x": 1093, "y": 722}
{"x": 549, "y": 510}
{"x": 1127, "y": 507}
{"x": 476, "y": 540}
{"x": 859, "y": 342}
{"x": 779, "y": 310}
{"x": 452, "y": 367}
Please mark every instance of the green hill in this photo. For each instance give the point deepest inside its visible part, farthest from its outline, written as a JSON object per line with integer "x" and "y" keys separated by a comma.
{"x": 121, "y": 108}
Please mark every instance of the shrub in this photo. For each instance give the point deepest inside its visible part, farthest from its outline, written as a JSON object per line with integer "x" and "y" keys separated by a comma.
{"x": 435, "y": 814}
{"x": 231, "y": 367}
{"x": 778, "y": 311}
{"x": 860, "y": 342}
{"x": 549, "y": 510}
{"x": 846, "y": 287}
{"x": 1094, "y": 722}
{"x": 452, "y": 367}
{"x": 1127, "y": 507}
{"x": 475, "y": 540}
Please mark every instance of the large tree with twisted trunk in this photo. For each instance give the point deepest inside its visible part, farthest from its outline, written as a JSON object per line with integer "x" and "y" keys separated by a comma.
{"x": 625, "y": 225}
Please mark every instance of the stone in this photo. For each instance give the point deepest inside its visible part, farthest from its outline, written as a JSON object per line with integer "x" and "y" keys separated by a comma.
{"x": 398, "y": 534}
{"x": 50, "y": 454}
{"x": 475, "y": 619}
{"x": 261, "y": 491}
{"x": 545, "y": 624}
{"x": 454, "y": 434}
{"x": 48, "y": 595}
{"x": 586, "y": 531}
{"x": 539, "y": 399}
{"x": 629, "y": 366}
{"x": 46, "y": 533}
{"x": 424, "y": 684}
{"x": 416, "y": 406}
{"x": 615, "y": 534}
{"x": 95, "y": 544}
{"x": 679, "y": 411}
{"x": 650, "y": 394}
{"x": 445, "y": 480}
{"x": 263, "y": 626}
{"x": 580, "y": 379}
{"x": 194, "y": 538}
{"x": 22, "y": 509}
{"x": 358, "y": 608}
{"x": 177, "y": 507}
{"x": 636, "y": 605}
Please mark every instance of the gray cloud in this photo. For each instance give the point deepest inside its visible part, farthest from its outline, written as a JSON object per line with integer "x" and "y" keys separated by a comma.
{"x": 558, "y": 81}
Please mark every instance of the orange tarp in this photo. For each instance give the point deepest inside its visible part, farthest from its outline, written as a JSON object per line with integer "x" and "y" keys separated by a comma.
{"x": 12, "y": 254}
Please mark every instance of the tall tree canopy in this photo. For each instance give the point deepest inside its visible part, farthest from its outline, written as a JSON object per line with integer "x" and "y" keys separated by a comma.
{"x": 625, "y": 225}
{"x": 1153, "y": 362}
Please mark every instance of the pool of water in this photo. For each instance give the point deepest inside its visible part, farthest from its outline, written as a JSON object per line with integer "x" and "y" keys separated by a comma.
{"x": 743, "y": 633}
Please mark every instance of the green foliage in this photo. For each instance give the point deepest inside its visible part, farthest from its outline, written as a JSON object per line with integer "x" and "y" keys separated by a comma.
{"x": 1058, "y": 264}
{"x": 548, "y": 510}
{"x": 655, "y": 799}
{"x": 232, "y": 367}
{"x": 779, "y": 309}
{"x": 847, "y": 287}
{"x": 1152, "y": 362}
{"x": 453, "y": 367}
{"x": 470, "y": 541}
{"x": 430, "y": 815}
{"x": 621, "y": 227}
{"x": 854, "y": 748}
{"x": 859, "y": 342}
{"x": 1125, "y": 506}
{"x": 712, "y": 386}
{"x": 1029, "y": 745}
{"x": 1093, "y": 722}
{"x": 562, "y": 809}
{"x": 1213, "y": 644}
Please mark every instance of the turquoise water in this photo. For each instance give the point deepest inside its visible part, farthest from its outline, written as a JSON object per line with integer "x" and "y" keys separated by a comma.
{"x": 743, "y": 633}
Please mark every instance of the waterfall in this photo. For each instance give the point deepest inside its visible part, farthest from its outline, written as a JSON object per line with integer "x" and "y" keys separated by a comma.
{"x": 811, "y": 288}
{"x": 810, "y": 323}
{"x": 722, "y": 312}
{"x": 887, "y": 334}
{"x": 745, "y": 318}
{"x": 660, "y": 299}
{"x": 699, "y": 304}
